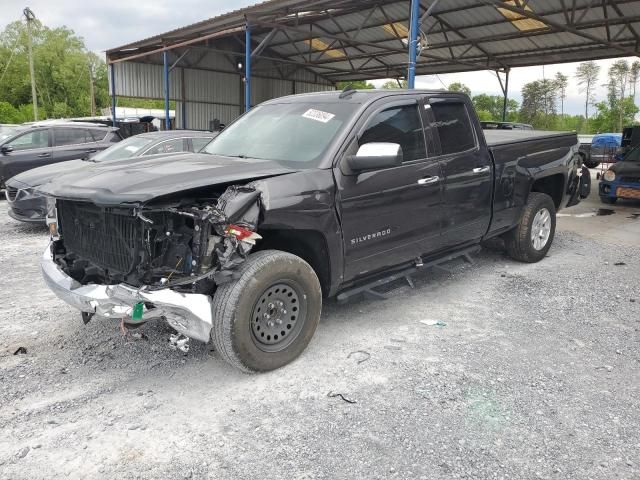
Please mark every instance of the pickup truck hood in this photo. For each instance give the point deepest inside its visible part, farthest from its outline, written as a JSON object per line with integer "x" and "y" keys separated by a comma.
{"x": 40, "y": 175}
{"x": 141, "y": 181}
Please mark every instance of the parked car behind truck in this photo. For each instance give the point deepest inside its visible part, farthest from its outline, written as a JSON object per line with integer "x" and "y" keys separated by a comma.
{"x": 43, "y": 143}
{"x": 622, "y": 179}
{"x": 27, "y": 205}
{"x": 303, "y": 197}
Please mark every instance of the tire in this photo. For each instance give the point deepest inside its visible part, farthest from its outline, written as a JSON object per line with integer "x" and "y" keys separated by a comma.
{"x": 520, "y": 242}
{"x": 609, "y": 200}
{"x": 246, "y": 311}
{"x": 591, "y": 164}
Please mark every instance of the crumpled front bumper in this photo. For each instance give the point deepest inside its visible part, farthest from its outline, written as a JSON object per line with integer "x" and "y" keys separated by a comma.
{"x": 189, "y": 313}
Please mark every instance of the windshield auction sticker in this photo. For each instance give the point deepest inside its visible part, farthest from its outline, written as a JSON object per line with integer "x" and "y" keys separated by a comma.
{"x": 318, "y": 115}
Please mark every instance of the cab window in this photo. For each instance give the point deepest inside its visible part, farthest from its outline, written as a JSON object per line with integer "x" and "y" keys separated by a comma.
{"x": 453, "y": 126}
{"x": 400, "y": 125}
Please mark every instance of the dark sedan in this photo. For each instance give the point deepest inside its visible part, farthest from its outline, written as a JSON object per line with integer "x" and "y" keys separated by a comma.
{"x": 28, "y": 206}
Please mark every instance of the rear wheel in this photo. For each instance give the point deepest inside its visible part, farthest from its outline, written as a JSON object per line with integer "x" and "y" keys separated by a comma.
{"x": 531, "y": 239}
{"x": 609, "y": 200}
{"x": 266, "y": 318}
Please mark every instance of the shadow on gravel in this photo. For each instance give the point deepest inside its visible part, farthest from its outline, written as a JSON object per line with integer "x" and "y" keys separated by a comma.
{"x": 492, "y": 251}
{"x": 29, "y": 228}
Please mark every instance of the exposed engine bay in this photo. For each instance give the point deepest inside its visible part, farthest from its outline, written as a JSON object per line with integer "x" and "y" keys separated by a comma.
{"x": 185, "y": 245}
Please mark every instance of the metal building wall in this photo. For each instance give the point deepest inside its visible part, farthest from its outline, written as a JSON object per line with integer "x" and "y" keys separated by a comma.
{"x": 207, "y": 86}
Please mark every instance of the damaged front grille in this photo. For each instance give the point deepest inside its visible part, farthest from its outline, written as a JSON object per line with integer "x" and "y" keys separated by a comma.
{"x": 187, "y": 247}
{"x": 107, "y": 237}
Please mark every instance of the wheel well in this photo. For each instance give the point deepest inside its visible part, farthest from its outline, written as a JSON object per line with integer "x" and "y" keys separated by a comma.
{"x": 309, "y": 245}
{"x": 552, "y": 185}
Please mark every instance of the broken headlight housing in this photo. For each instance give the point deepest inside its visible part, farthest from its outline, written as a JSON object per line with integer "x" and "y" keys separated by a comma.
{"x": 52, "y": 218}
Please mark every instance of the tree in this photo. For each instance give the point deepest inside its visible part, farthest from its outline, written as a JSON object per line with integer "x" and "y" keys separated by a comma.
{"x": 493, "y": 105}
{"x": 459, "y": 87}
{"x": 587, "y": 74}
{"x": 357, "y": 84}
{"x": 634, "y": 77}
{"x": 617, "y": 86}
{"x": 391, "y": 84}
{"x": 562, "y": 82}
{"x": 607, "y": 119}
{"x": 539, "y": 103}
{"x": 61, "y": 71}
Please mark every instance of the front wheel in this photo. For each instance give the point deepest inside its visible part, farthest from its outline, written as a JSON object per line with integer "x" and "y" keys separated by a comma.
{"x": 266, "y": 318}
{"x": 531, "y": 239}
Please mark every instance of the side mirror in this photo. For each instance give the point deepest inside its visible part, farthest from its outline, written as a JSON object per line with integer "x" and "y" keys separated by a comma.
{"x": 372, "y": 156}
{"x": 6, "y": 149}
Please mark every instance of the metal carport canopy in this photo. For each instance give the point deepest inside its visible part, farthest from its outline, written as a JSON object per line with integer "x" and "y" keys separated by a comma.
{"x": 358, "y": 40}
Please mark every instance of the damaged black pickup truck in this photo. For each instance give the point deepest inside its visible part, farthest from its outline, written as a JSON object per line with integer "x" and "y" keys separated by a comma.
{"x": 303, "y": 197}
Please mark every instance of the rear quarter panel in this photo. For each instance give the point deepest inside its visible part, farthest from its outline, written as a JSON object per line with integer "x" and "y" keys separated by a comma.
{"x": 519, "y": 164}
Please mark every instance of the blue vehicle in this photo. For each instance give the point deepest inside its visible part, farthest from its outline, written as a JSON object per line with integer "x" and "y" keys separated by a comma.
{"x": 622, "y": 179}
{"x": 604, "y": 147}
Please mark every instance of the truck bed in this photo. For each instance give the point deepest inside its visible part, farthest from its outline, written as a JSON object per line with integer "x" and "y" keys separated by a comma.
{"x": 503, "y": 137}
{"x": 519, "y": 155}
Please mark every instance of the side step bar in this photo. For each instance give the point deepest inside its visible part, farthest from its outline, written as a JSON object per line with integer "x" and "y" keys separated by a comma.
{"x": 367, "y": 289}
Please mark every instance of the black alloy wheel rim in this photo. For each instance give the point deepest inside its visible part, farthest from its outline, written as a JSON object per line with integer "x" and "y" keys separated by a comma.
{"x": 278, "y": 317}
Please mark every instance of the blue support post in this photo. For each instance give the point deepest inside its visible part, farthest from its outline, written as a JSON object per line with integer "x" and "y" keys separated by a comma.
{"x": 413, "y": 42}
{"x": 247, "y": 68}
{"x": 165, "y": 58}
{"x": 506, "y": 96}
{"x": 114, "y": 120}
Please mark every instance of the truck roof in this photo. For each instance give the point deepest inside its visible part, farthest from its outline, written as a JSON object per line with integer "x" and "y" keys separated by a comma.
{"x": 355, "y": 96}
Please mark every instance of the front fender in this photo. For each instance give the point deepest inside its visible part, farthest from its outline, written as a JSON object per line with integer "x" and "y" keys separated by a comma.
{"x": 305, "y": 201}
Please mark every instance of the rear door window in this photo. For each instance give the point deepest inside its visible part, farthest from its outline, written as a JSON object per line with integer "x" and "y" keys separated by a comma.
{"x": 199, "y": 143}
{"x": 453, "y": 126}
{"x": 400, "y": 125}
{"x": 98, "y": 135}
{"x": 31, "y": 140}
{"x": 115, "y": 137}
{"x": 170, "y": 146}
{"x": 71, "y": 136}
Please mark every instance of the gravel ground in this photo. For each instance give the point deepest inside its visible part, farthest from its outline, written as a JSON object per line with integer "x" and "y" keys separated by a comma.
{"x": 494, "y": 370}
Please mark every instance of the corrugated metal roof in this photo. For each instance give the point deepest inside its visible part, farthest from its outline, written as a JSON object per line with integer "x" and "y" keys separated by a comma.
{"x": 358, "y": 39}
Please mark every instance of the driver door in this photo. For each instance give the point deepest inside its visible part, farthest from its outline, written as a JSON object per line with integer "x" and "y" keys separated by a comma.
{"x": 30, "y": 150}
{"x": 390, "y": 216}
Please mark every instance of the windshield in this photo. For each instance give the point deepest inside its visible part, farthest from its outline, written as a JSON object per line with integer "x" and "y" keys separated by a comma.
{"x": 125, "y": 149}
{"x": 633, "y": 155}
{"x": 296, "y": 134}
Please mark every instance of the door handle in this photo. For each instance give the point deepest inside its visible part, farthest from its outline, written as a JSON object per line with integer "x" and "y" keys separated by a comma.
{"x": 482, "y": 169}
{"x": 429, "y": 180}
{"x": 92, "y": 150}
{"x": 42, "y": 155}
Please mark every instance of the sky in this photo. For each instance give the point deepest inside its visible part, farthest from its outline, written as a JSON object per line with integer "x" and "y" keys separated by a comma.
{"x": 105, "y": 25}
